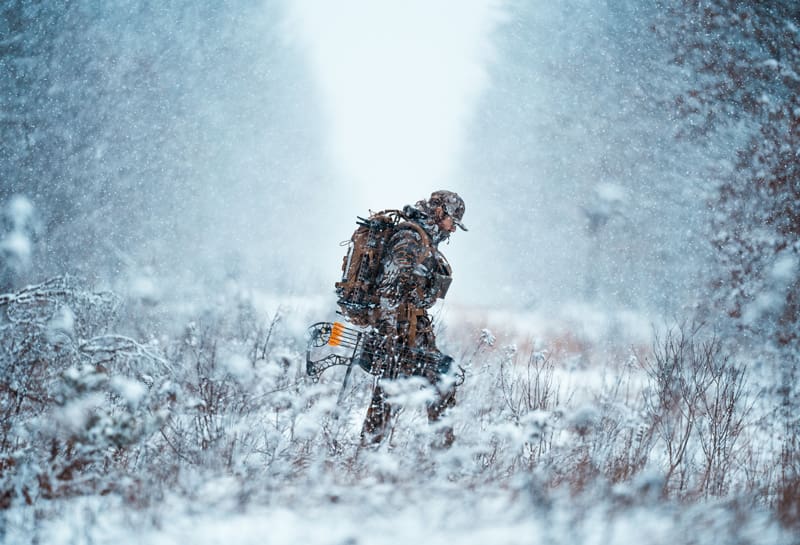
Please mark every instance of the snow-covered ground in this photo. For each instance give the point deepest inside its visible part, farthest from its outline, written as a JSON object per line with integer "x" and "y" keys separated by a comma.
{"x": 390, "y": 513}
{"x": 554, "y": 444}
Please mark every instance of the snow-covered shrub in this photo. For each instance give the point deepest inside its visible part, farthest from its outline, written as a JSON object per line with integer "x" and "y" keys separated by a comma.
{"x": 696, "y": 405}
{"x": 223, "y": 415}
{"x": 72, "y": 397}
{"x": 239, "y": 404}
{"x": 531, "y": 397}
{"x": 677, "y": 416}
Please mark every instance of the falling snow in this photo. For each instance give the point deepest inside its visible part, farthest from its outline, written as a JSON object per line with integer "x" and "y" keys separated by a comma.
{"x": 176, "y": 181}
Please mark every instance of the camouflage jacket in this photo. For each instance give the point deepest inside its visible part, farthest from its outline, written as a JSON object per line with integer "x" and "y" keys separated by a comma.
{"x": 413, "y": 271}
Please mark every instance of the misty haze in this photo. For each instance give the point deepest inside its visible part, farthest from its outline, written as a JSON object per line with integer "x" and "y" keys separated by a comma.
{"x": 179, "y": 184}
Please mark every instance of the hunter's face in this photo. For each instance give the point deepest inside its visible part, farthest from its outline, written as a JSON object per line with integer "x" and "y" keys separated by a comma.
{"x": 443, "y": 220}
{"x": 447, "y": 224}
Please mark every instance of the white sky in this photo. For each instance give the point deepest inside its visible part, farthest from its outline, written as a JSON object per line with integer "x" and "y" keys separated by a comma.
{"x": 398, "y": 81}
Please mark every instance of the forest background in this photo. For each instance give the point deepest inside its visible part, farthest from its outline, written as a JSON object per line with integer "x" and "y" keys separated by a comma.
{"x": 175, "y": 181}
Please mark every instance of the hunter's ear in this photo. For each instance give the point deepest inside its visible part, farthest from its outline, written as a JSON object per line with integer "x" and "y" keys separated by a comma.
{"x": 438, "y": 213}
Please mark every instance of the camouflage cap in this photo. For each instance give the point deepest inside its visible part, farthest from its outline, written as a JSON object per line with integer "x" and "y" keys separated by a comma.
{"x": 452, "y": 204}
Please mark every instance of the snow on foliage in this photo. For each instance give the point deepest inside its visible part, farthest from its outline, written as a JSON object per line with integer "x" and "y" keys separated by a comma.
{"x": 214, "y": 433}
{"x": 220, "y": 421}
{"x": 630, "y": 159}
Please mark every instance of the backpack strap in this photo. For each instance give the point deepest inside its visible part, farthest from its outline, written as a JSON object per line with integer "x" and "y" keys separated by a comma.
{"x": 426, "y": 238}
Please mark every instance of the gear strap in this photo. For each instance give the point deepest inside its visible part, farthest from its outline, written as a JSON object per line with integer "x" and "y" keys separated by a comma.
{"x": 411, "y": 315}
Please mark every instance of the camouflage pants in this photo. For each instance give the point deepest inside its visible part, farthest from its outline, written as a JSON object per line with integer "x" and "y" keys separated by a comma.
{"x": 380, "y": 412}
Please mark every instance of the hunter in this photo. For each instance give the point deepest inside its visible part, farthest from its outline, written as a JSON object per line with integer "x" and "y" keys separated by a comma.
{"x": 413, "y": 275}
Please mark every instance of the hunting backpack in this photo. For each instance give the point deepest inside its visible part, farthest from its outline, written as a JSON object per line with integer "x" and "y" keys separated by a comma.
{"x": 361, "y": 266}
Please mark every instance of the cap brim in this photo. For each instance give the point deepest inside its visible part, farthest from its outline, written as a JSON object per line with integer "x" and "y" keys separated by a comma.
{"x": 461, "y": 225}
